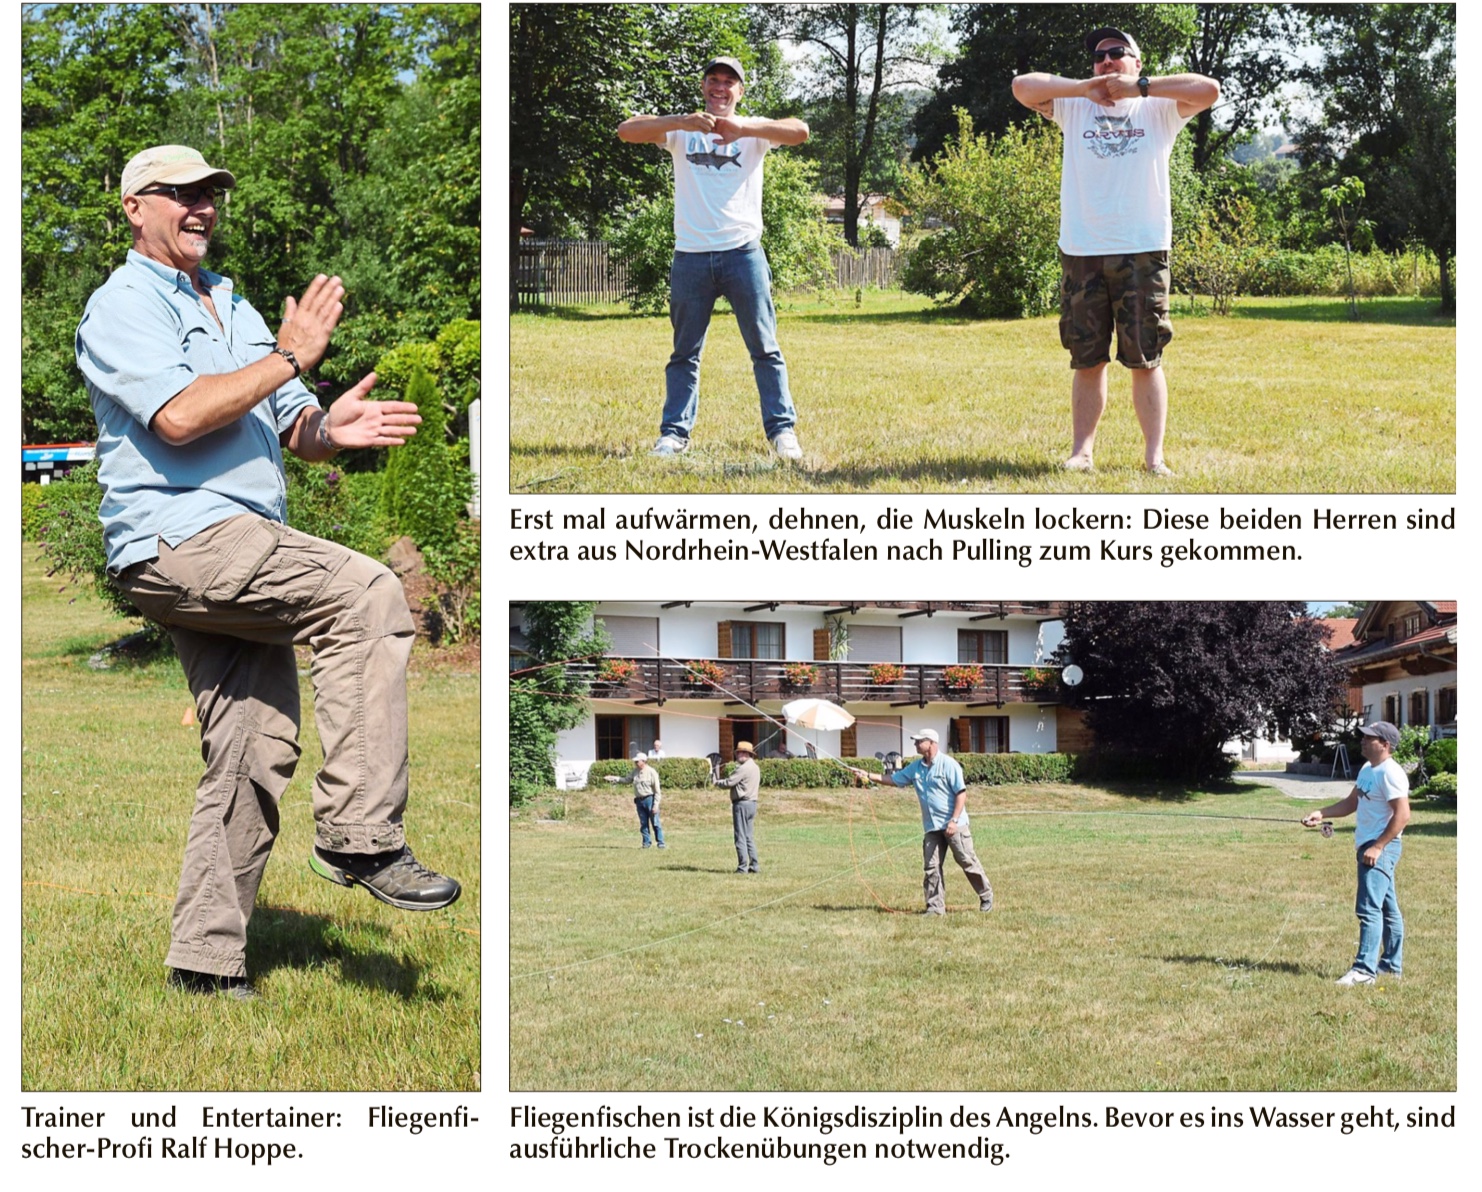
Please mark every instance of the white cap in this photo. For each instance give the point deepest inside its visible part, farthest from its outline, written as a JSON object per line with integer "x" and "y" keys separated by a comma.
{"x": 173, "y": 165}
{"x": 927, "y": 734}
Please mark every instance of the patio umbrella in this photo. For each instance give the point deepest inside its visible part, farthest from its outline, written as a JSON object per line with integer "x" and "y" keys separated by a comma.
{"x": 817, "y": 714}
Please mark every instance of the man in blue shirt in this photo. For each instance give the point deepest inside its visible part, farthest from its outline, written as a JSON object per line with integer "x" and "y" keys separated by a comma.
{"x": 942, "y": 792}
{"x": 194, "y": 399}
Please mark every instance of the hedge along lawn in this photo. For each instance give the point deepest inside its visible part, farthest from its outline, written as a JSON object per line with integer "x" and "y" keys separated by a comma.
{"x": 1129, "y": 948}
{"x": 355, "y": 995}
{"x": 1285, "y": 395}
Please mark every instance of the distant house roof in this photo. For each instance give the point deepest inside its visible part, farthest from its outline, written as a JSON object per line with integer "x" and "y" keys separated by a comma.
{"x": 1342, "y": 635}
{"x": 1435, "y": 637}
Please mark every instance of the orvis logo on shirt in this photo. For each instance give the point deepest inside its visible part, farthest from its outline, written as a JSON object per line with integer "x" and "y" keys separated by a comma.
{"x": 1113, "y": 136}
{"x": 700, "y": 153}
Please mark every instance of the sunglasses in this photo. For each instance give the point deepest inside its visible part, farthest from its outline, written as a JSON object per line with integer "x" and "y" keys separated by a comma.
{"x": 1116, "y": 54}
{"x": 187, "y": 196}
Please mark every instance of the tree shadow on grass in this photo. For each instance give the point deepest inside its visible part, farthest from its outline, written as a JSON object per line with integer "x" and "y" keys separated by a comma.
{"x": 1226, "y": 962}
{"x": 280, "y": 937}
{"x": 1406, "y": 311}
{"x": 1442, "y": 828}
{"x": 950, "y": 470}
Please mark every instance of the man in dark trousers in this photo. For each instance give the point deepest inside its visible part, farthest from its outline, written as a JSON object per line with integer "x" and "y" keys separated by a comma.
{"x": 745, "y": 782}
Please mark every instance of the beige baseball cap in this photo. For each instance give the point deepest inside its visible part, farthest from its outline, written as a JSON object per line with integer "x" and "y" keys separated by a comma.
{"x": 173, "y": 165}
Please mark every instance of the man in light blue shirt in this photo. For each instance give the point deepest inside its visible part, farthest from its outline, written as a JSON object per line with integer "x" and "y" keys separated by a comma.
{"x": 942, "y": 792}
{"x": 195, "y": 399}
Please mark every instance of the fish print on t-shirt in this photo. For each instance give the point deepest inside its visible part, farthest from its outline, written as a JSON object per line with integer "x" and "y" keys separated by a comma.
{"x": 699, "y": 152}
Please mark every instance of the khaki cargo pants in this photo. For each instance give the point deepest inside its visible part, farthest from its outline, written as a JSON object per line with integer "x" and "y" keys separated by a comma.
{"x": 236, "y": 598}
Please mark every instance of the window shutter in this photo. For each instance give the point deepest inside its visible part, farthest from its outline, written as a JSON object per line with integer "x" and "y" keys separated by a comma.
{"x": 820, "y": 645}
{"x": 962, "y": 734}
{"x": 723, "y": 641}
{"x": 727, "y": 739}
{"x": 849, "y": 742}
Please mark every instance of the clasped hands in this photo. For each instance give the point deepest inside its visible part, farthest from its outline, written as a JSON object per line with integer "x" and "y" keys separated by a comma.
{"x": 1105, "y": 90}
{"x": 727, "y": 128}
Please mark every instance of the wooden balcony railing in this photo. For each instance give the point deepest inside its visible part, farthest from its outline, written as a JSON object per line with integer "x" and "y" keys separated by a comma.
{"x": 657, "y": 680}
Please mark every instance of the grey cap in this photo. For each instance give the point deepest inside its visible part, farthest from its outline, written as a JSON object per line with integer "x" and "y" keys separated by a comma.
{"x": 730, "y": 64}
{"x": 173, "y": 165}
{"x": 1384, "y": 730}
{"x": 1095, "y": 38}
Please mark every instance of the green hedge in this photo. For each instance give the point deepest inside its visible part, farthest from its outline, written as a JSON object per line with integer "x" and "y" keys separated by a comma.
{"x": 675, "y": 773}
{"x": 31, "y": 520}
{"x": 806, "y": 773}
{"x": 1287, "y": 273}
{"x": 1440, "y": 756}
{"x": 998, "y": 769}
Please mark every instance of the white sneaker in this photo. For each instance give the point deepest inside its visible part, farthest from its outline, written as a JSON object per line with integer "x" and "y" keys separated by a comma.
{"x": 670, "y": 445}
{"x": 1355, "y": 977}
{"x": 786, "y": 446}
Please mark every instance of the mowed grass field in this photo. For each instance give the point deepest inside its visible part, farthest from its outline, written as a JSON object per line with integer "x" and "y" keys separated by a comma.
{"x": 1134, "y": 945}
{"x": 355, "y": 995}
{"x": 1285, "y": 395}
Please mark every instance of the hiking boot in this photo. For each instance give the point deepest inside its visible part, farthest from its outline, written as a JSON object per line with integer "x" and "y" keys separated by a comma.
{"x": 397, "y": 878}
{"x": 237, "y": 988}
{"x": 669, "y": 445}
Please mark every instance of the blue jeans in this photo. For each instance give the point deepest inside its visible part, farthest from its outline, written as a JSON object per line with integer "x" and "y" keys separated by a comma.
{"x": 696, "y": 280}
{"x": 1378, "y": 910}
{"x": 649, "y": 814}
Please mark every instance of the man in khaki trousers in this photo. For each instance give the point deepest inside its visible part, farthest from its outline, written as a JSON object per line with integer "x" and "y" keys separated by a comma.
{"x": 194, "y": 399}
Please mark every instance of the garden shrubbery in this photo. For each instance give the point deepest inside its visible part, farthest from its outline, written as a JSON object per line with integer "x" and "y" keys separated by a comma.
{"x": 997, "y": 769}
{"x": 1440, "y": 756}
{"x": 676, "y": 773}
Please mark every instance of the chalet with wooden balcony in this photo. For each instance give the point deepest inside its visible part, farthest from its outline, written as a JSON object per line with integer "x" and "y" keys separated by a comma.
{"x": 1402, "y": 664}
{"x": 701, "y": 675}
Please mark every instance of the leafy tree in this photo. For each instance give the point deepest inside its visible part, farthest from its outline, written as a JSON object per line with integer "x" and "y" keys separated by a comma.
{"x": 1168, "y": 683}
{"x": 1218, "y": 256}
{"x": 863, "y": 54}
{"x": 1342, "y": 202}
{"x": 1351, "y": 608}
{"x": 1247, "y": 47}
{"x": 795, "y": 236}
{"x": 1387, "y": 78}
{"x": 999, "y": 41}
{"x": 547, "y": 697}
{"x": 998, "y": 201}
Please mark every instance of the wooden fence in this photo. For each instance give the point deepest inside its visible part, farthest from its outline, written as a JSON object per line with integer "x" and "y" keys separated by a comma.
{"x": 570, "y": 272}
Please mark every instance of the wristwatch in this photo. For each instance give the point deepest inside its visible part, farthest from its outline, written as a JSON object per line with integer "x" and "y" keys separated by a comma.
{"x": 1142, "y": 85}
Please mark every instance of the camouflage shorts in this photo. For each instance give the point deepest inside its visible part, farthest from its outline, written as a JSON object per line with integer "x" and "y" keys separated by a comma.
{"x": 1128, "y": 291}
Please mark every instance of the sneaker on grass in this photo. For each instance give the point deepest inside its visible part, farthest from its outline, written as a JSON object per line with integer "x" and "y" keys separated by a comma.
{"x": 786, "y": 446}
{"x": 670, "y": 445}
{"x": 1355, "y": 977}
{"x": 397, "y": 878}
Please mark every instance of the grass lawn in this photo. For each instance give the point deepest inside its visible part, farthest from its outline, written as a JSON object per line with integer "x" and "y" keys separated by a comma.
{"x": 1134, "y": 945}
{"x": 1284, "y": 396}
{"x": 355, "y": 995}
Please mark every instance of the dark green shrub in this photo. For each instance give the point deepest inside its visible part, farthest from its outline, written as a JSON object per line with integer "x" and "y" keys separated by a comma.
{"x": 1441, "y": 786}
{"x": 805, "y": 773}
{"x": 456, "y": 567}
{"x": 340, "y": 506}
{"x": 422, "y": 494}
{"x": 1440, "y": 756}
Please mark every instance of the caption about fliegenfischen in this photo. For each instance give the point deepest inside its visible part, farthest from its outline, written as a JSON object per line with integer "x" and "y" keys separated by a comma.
{"x": 989, "y": 1133}
{"x": 212, "y": 1134}
{"x": 1152, "y": 535}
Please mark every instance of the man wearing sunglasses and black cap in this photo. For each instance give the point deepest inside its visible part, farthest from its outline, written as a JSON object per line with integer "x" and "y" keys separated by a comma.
{"x": 718, "y": 251}
{"x": 195, "y": 398}
{"x": 1116, "y": 227}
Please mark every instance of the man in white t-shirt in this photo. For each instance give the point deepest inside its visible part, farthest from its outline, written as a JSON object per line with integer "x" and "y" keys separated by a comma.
{"x": 1381, "y": 797}
{"x": 1116, "y": 227}
{"x": 717, "y": 249}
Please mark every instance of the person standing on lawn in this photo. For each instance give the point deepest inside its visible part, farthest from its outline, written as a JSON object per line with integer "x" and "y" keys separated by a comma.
{"x": 1381, "y": 799}
{"x": 942, "y": 792}
{"x": 1116, "y": 227}
{"x": 745, "y": 784}
{"x": 717, "y": 249}
{"x": 646, "y": 797}
{"x": 195, "y": 399}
